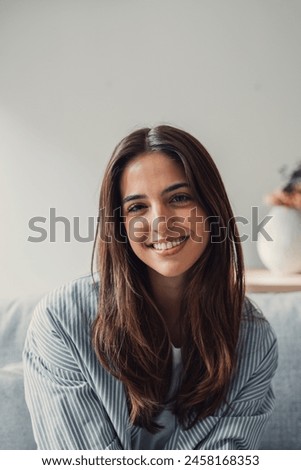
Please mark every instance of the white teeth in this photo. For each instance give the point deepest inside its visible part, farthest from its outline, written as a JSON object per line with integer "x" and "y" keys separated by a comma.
{"x": 168, "y": 245}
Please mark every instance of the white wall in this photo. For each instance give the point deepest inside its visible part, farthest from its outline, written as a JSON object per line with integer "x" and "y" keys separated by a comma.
{"x": 76, "y": 76}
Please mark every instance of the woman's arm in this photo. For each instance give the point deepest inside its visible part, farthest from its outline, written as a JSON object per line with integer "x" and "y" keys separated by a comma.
{"x": 65, "y": 411}
{"x": 252, "y": 399}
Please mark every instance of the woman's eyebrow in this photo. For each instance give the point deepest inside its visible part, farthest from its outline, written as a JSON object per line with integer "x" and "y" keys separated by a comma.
{"x": 175, "y": 186}
{"x": 169, "y": 189}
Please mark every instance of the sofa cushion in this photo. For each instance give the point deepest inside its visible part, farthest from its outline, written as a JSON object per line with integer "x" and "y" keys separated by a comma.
{"x": 284, "y": 313}
{"x": 15, "y": 424}
{"x": 15, "y": 430}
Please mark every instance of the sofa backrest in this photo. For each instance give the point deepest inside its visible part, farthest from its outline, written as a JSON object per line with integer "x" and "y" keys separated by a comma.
{"x": 283, "y": 310}
{"x": 15, "y": 425}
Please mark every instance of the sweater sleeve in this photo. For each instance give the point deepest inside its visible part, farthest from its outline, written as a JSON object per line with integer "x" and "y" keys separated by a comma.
{"x": 65, "y": 411}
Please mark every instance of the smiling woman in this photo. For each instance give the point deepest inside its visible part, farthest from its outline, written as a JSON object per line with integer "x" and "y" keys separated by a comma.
{"x": 160, "y": 349}
{"x": 169, "y": 217}
{"x": 167, "y": 214}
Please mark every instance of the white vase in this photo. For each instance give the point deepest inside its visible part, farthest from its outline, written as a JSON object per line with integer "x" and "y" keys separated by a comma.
{"x": 283, "y": 253}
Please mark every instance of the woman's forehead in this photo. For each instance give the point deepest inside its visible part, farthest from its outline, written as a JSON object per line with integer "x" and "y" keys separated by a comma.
{"x": 151, "y": 171}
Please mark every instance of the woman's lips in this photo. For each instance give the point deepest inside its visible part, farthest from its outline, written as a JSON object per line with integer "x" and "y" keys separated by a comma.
{"x": 168, "y": 246}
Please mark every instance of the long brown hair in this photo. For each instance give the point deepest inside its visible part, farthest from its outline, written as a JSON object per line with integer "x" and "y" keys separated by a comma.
{"x": 129, "y": 335}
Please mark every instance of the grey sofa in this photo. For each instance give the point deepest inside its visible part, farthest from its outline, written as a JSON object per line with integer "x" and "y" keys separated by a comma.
{"x": 282, "y": 310}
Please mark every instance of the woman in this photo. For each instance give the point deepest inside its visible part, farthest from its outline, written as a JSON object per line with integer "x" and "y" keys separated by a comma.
{"x": 161, "y": 350}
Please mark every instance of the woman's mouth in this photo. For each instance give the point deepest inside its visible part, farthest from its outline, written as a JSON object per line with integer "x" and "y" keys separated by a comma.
{"x": 168, "y": 245}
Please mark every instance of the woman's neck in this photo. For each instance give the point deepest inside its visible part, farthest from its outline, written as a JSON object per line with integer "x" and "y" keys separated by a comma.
{"x": 168, "y": 293}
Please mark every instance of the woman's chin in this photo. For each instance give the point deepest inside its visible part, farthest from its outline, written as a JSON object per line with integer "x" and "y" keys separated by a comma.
{"x": 167, "y": 273}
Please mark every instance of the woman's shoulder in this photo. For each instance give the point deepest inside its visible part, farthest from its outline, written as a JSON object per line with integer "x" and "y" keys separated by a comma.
{"x": 71, "y": 303}
{"x": 251, "y": 311}
{"x": 59, "y": 334}
{"x": 257, "y": 336}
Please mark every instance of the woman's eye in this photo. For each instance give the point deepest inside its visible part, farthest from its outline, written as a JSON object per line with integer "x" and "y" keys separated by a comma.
{"x": 136, "y": 208}
{"x": 181, "y": 198}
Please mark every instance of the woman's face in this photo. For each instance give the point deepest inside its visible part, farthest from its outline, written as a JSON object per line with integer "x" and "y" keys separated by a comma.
{"x": 165, "y": 225}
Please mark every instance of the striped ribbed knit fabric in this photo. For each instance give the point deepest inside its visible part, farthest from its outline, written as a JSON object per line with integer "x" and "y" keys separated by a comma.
{"x": 75, "y": 404}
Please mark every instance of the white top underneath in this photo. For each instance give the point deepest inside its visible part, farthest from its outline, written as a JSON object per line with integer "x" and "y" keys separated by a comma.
{"x": 143, "y": 439}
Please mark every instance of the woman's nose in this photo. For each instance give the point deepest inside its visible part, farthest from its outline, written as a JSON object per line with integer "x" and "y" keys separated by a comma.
{"x": 160, "y": 219}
